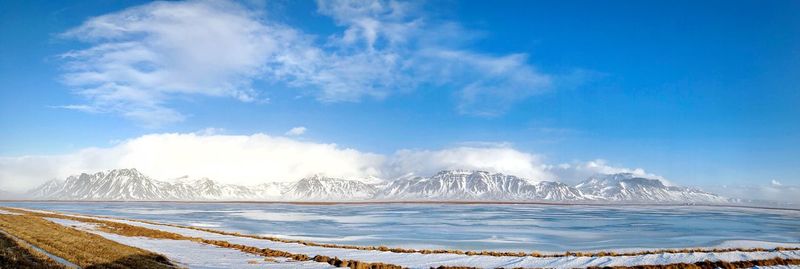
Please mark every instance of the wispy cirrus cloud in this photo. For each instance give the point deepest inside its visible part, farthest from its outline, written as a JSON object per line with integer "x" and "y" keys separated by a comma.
{"x": 139, "y": 60}
{"x": 142, "y": 57}
{"x": 299, "y": 130}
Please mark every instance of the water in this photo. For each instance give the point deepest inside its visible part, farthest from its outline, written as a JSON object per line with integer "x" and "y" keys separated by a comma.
{"x": 468, "y": 227}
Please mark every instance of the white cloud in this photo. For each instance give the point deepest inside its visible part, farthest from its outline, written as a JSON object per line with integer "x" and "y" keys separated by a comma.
{"x": 497, "y": 81}
{"x": 300, "y": 130}
{"x": 210, "y": 131}
{"x": 764, "y": 192}
{"x": 578, "y": 171}
{"x": 502, "y": 159}
{"x": 409, "y": 50}
{"x": 142, "y": 58}
{"x": 238, "y": 159}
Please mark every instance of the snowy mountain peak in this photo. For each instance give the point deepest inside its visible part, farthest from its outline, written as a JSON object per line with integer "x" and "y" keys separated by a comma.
{"x": 131, "y": 172}
{"x": 318, "y": 187}
{"x": 621, "y": 180}
{"x": 458, "y": 172}
{"x": 629, "y": 187}
{"x": 474, "y": 185}
{"x": 319, "y": 177}
{"x": 203, "y": 182}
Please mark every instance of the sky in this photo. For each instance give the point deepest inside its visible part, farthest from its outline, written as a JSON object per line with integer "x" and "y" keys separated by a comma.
{"x": 695, "y": 93}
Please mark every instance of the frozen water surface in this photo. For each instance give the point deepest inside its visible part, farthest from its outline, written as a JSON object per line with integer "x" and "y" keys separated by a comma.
{"x": 523, "y": 227}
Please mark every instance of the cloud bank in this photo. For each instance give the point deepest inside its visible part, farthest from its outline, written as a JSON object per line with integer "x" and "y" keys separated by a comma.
{"x": 260, "y": 158}
{"x": 141, "y": 59}
{"x": 237, "y": 159}
{"x": 765, "y": 192}
{"x": 498, "y": 159}
{"x": 571, "y": 172}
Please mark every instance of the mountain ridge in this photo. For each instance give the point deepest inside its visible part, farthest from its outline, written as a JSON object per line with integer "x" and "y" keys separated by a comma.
{"x": 447, "y": 185}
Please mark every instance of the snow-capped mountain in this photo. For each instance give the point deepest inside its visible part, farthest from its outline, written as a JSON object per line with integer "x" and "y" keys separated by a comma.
{"x": 448, "y": 185}
{"x": 475, "y": 185}
{"x": 207, "y": 189}
{"x": 320, "y": 188}
{"x": 627, "y": 187}
{"x": 118, "y": 184}
{"x": 130, "y": 184}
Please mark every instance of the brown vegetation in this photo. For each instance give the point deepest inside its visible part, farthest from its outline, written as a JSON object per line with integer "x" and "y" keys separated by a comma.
{"x": 712, "y": 264}
{"x": 15, "y": 254}
{"x": 108, "y": 226}
{"x": 302, "y": 257}
{"x": 354, "y": 264}
{"x": 82, "y": 248}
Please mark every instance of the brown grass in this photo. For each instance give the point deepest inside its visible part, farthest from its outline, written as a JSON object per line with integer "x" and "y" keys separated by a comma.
{"x": 15, "y": 254}
{"x": 301, "y": 257}
{"x": 108, "y": 226}
{"x": 84, "y": 249}
{"x": 712, "y": 264}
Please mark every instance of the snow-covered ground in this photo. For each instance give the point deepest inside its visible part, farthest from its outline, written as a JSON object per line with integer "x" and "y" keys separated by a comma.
{"x": 417, "y": 260}
{"x": 193, "y": 254}
{"x": 7, "y": 212}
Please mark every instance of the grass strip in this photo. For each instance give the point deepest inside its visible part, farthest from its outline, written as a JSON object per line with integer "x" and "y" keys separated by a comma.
{"x": 712, "y": 264}
{"x": 84, "y": 249}
{"x": 15, "y": 254}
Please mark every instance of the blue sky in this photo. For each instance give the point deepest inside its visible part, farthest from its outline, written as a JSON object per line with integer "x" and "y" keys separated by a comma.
{"x": 699, "y": 93}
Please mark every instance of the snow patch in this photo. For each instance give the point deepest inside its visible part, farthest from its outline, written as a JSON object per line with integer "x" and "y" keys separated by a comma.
{"x": 195, "y": 255}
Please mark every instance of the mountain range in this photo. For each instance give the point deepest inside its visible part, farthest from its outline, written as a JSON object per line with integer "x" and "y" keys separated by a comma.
{"x": 448, "y": 185}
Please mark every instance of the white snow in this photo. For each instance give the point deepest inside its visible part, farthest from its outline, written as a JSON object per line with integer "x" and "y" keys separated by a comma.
{"x": 8, "y": 212}
{"x": 300, "y": 217}
{"x": 755, "y": 244}
{"x": 476, "y": 185}
{"x": 629, "y": 187}
{"x": 320, "y": 188}
{"x": 193, "y": 254}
